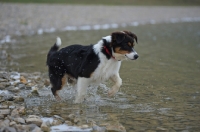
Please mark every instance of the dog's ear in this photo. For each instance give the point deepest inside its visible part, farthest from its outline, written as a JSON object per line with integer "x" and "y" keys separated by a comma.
{"x": 118, "y": 37}
{"x": 132, "y": 35}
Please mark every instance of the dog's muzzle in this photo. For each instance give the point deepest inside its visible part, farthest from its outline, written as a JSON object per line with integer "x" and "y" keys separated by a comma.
{"x": 133, "y": 55}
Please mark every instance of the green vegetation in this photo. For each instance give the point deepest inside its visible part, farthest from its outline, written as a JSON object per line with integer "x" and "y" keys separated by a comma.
{"x": 114, "y": 2}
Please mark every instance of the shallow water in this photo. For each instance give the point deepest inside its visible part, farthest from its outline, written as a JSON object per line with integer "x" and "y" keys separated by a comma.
{"x": 160, "y": 91}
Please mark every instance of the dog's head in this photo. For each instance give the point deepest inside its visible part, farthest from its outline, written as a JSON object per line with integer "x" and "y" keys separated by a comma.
{"x": 123, "y": 45}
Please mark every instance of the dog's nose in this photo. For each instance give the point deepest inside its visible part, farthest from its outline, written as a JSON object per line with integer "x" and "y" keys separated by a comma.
{"x": 136, "y": 56}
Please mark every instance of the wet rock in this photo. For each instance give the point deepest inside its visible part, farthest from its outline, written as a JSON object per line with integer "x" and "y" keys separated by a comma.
{"x": 161, "y": 129}
{"x": 33, "y": 119}
{"x": 20, "y": 127}
{"x": 21, "y": 86}
{"x": 69, "y": 123}
{"x": 1, "y": 116}
{"x": 19, "y": 120}
{"x": 56, "y": 122}
{"x": 23, "y": 80}
{"x": 30, "y": 84}
{"x": 36, "y": 129}
{"x": 98, "y": 129}
{"x": 84, "y": 126}
{"x": 18, "y": 99}
{"x": 8, "y": 129}
{"x": 6, "y": 122}
{"x": 22, "y": 110}
{"x": 48, "y": 123}
{"x": 44, "y": 127}
{"x": 58, "y": 117}
{"x": 71, "y": 117}
{"x": 15, "y": 113}
{"x": 5, "y": 84}
{"x": 13, "y": 89}
{"x": 46, "y": 82}
{"x": 13, "y": 123}
{"x": 4, "y": 75}
{"x": 34, "y": 92}
{"x": 12, "y": 107}
{"x": 77, "y": 120}
{"x": 4, "y": 111}
{"x": 3, "y": 80}
{"x": 2, "y": 85}
{"x": 3, "y": 106}
{"x": 115, "y": 128}
{"x": 15, "y": 76}
{"x": 32, "y": 126}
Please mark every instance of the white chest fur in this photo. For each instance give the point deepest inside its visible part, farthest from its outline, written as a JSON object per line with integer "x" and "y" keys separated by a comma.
{"x": 105, "y": 70}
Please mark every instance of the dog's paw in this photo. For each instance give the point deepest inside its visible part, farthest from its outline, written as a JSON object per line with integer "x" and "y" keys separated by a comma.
{"x": 79, "y": 100}
{"x": 112, "y": 92}
{"x": 57, "y": 98}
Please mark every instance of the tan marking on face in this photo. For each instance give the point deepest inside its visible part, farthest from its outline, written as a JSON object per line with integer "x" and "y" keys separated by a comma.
{"x": 119, "y": 51}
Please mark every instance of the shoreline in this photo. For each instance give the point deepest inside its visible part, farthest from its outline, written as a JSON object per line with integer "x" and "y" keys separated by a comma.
{"x": 28, "y": 19}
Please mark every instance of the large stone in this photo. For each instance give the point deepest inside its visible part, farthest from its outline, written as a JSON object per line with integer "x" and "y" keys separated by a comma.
{"x": 98, "y": 129}
{"x": 36, "y": 129}
{"x": 33, "y": 119}
{"x": 20, "y": 128}
{"x": 15, "y": 113}
{"x": 20, "y": 120}
{"x": 7, "y": 129}
{"x": 21, "y": 86}
{"x": 4, "y": 111}
{"x": 56, "y": 122}
{"x": 15, "y": 75}
{"x": 7, "y": 122}
{"x": 4, "y": 124}
{"x": 44, "y": 127}
{"x": 3, "y": 106}
{"x": 22, "y": 110}
{"x": 1, "y": 116}
{"x": 115, "y": 128}
{"x": 12, "y": 123}
{"x": 18, "y": 99}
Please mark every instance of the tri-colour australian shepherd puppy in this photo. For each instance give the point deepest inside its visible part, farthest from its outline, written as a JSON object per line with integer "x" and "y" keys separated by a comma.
{"x": 86, "y": 65}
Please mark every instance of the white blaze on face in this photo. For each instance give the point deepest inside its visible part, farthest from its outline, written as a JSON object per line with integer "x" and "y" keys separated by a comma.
{"x": 131, "y": 55}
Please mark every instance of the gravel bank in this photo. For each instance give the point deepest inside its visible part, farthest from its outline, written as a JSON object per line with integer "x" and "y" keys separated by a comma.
{"x": 20, "y": 19}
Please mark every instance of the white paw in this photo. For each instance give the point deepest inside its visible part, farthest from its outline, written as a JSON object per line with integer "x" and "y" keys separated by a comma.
{"x": 112, "y": 92}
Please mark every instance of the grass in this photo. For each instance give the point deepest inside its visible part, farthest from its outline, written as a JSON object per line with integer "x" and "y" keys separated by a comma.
{"x": 114, "y": 2}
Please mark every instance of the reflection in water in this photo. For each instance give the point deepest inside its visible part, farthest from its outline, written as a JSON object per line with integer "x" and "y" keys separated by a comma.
{"x": 160, "y": 90}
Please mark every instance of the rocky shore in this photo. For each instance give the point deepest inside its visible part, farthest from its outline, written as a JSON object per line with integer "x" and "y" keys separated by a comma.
{"x": 14, "y": 116}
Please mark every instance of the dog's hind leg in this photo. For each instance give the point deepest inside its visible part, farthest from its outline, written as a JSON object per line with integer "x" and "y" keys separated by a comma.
{"x": 57, "y": 83}
{"x": 82, "y": 85}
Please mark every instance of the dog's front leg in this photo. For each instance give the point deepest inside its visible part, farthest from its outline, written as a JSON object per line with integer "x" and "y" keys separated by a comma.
{"x": 115, "y": 88}
{"x": 82, "y": 85}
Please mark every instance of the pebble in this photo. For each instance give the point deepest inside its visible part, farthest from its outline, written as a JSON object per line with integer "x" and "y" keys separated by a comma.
{"x": 23, "y": 80}
{"x": 19, "y": 120}
{"x": 4, "y": 111}
{"x": 44, "y": 127}
{"x": 33, "y": 119}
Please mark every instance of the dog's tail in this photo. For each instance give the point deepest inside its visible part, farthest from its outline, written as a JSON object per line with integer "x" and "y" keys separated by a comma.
{"x": 53, "y": 49}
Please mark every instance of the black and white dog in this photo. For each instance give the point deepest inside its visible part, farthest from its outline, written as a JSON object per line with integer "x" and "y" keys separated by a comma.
{"x": 85, "y": 65}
